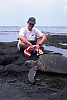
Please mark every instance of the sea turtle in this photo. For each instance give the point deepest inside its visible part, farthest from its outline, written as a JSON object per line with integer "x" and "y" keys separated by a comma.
{"x": 47, "y": 63}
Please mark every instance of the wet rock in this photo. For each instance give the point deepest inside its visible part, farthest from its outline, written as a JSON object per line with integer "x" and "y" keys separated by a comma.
{"x": 3, "y": 45}
{"x": 7, "y": 59}
{"x": 15, "y": 68}
{"x": 1, "y": 52}
{"x": 54, "y": 40}
{"x": 20, "y": 60}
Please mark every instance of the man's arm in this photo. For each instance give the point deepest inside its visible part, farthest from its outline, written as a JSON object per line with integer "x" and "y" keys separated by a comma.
{"x": 26, "y": 42}
{"x": 41, "y": 41}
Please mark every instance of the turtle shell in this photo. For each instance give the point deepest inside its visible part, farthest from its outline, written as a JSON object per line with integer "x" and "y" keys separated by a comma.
{"x": 54, "y": 63}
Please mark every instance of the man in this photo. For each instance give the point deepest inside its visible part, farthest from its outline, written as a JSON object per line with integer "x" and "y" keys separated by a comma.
{"x": 29, "y": 36}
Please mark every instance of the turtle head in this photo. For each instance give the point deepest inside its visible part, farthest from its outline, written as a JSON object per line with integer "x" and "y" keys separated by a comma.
{"x": 30, "y": 63}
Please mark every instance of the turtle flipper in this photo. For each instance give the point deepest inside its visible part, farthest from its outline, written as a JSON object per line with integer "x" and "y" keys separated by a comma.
{"x": 32, "y": 73}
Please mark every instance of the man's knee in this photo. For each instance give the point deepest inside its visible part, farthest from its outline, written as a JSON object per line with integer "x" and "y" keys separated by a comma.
{"x": 22, "y": 45}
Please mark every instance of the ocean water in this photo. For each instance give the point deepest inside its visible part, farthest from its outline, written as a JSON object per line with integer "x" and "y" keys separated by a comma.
{"x": 57, "y": 50}
{"x": 53, "y": 30}
{"x": 11, "y": 33}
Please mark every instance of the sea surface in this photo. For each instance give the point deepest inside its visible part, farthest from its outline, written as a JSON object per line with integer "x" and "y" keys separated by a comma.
{"x": 53, "y": 30}
{"x": 11, "y": 33}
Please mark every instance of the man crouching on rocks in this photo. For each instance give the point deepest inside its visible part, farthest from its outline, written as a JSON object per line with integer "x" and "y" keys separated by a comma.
{"x": 29, "y": 36}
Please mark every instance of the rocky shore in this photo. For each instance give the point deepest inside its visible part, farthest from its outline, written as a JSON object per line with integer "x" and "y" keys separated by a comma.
{"x": 14, "y": 84}
{"x": 54, "y": 40}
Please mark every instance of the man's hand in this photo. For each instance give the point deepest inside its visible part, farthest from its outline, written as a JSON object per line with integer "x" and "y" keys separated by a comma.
{"x": 31, "y": 47}
{"x": 37, "y": 46}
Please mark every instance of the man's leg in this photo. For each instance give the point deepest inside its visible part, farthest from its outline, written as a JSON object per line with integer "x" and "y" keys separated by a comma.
{"x": 23, "y": 45}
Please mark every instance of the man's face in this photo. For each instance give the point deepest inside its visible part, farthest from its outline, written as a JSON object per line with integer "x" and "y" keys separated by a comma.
{"x": 30, "y": 26}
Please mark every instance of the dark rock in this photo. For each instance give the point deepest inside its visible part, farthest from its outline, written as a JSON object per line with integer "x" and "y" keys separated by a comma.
{"x": 1, "y": 52}
{"x": 11, "y": 59}
{"x": 14, "y": 84}
{"x": 12, "y": 50}
{"x": 3, "y": 45}
{"x": 54, "y": 40}
{"x": 7, "y": 59}
{"x": 20, "y": 60}
{"x": 15, "y": 68}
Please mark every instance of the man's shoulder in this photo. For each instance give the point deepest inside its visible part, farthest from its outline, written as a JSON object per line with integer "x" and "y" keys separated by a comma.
{"x": 36, "y": 29}
{"x": 23, "y": 28}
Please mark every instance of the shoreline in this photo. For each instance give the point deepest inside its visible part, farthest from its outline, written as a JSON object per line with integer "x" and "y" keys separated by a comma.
{"x": 54, "y": 40}
{"x": 48, "y": 35}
